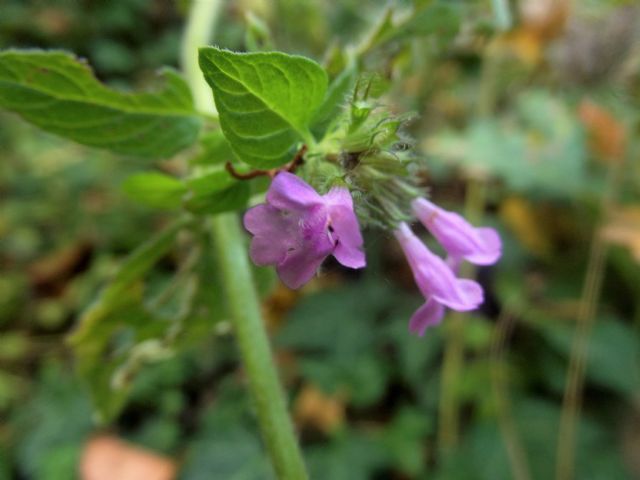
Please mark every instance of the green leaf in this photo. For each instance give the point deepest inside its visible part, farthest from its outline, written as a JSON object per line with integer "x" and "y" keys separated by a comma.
{"x": 483, "y": 455}
{"x": 353, "y": 455}
{"x": 405, "y": 439}
{"x": 215, "y": 191}
{"x": 155, "y": 189}
{"x": 136, "y": 265}
{"x": 58, "y": 93}
{"x": 110, "y": 338}
{"x": 266, "y": 101}
{"x": 336, "y": 325}
{"x": 226, "y": 445}
{"x": 52, "y": 425}
{"x": 209, "y": 181}
{"x": 612, "y": 356}
{"x": 440, "y": 19}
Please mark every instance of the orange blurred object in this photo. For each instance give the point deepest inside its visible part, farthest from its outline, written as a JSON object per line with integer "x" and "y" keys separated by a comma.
{"x": 607, "y": 136}
{"x": 541, "y": 21}
{"x": 314, "y": 407}
{"x": 109, "y": 458}
{"x": 623, "y": 229}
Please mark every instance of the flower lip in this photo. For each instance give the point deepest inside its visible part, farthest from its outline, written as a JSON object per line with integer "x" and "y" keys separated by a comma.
{"x": 428, "y": 315}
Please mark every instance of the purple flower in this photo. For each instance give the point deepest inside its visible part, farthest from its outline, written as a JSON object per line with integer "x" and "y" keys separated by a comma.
{"x": 461, "y": 240}
{"x": 296, "y": 229}
{"x": 437, "y": 282}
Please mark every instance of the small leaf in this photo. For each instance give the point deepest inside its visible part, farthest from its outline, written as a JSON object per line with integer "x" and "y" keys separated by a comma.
{"x": 439, "y": 18}
{"x": 58, "y": 93}
{"x": 266, "y": 101}
{"x": 155, "y": 189}
{"x": 335, "y": 99}
{"x": 258, "y": 36}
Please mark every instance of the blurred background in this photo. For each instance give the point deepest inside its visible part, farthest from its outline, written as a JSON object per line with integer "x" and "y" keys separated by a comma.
{"x": 527, "y": 117}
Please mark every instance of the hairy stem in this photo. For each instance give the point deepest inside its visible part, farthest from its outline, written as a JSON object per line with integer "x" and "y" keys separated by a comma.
{"x": 264, "y": 384}
{"x": 240, "y": 292}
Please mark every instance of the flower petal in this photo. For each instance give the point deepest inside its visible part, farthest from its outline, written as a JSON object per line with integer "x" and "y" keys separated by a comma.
{"x": 462, "y": 295}
{"x": 481, "y": 246}
{"x": 339, "y": 196}
{"x": 266, "y": 220}
{"x": 274, "y": 234}
{"x": 264, "y": 251}
{"x": 492, "y": 247}
{"x": 346, "y": 232}
{"x": 428, "y": 315}
{"x": 301, "y": 265}
{"x": 290, "y": 193}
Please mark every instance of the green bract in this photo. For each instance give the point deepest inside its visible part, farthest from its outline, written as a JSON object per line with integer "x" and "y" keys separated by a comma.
{"x": 266, "y": 101}
{"x": 58, "y": 93}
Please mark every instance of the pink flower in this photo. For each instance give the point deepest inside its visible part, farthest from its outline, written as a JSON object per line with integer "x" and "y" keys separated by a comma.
{"x": 461, "y": 240}
{"x": 297, "y": 228}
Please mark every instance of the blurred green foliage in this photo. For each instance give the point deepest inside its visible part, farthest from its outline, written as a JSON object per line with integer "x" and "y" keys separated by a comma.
{"x": 507, "y": 108}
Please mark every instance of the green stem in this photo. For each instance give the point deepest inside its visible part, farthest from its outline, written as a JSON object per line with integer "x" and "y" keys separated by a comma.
{"x": 240, "y": 292}
{"x": 516, "y": 453}
{"x": 198, "y": 32}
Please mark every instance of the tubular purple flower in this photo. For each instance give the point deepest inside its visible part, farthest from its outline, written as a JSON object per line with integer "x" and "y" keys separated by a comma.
{"x": 297, "y": 228}
{"x": 461, "y": 240}
{"x": 436, "y": 281}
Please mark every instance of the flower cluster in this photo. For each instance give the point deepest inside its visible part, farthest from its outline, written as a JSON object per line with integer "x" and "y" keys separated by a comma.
{"x": 366, "y": 151}
{"x": 297, "y": 228}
